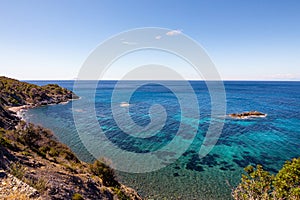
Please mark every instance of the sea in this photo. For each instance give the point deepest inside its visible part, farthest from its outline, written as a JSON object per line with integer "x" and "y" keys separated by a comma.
{"x": 268, "y": 141}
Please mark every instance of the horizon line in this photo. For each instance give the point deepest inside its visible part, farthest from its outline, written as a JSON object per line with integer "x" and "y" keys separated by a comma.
{"x": 248, "y": 80}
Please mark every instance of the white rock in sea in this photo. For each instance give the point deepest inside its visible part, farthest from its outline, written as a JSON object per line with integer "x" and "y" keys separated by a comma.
{"x": 124, "y": 104}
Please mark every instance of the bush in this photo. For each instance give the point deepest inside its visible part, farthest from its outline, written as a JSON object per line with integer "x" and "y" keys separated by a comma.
{"x": 17, "y": 170}
{"x": 77, "y": 196}
{"x": 107, "y": 174}
{"x": 53, "y": 152}
{"x": 39, "y": 184}
{"x": 287, "y": 181}
{"x": 121, "y": 195}
{"x": 69, "y": 168}
{"x": 44, "y": 149}
{"x": 260, "y": 184}
{"x": 5, "y": 142}
{"x": 30, "y": 135}
{"x": 68, "y": 155}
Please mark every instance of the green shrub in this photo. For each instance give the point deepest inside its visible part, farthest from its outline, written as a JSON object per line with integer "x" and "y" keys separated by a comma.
{"x": 77, "y": 196}
{"x": 39, "y": 184}
{"x": 121, "y": 195}
{"x": 287, "y": 181}
{"x": 68, "y": 155}
{"x": 5, "y": 142}
{"x": 30, "y": 135}
{"x": 53, "y": 152}
{"x": 69, "y": 168}
{"x": 40, "y": 153}
{"x": 44, "y": 149}
{"x": 260, "y": 184}
{"x": 255, "y": 184}
{"x": 107, "y": 174}
{"x": 17, "y": 170}
{"x": 26, "y": 153}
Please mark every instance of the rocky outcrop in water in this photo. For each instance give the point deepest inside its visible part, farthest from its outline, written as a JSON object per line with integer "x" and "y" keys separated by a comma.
{"x": 246, "y": 115}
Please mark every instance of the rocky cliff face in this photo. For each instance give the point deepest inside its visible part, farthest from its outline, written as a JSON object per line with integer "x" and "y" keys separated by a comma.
{"x": 17, "y": 93}
{"x": 44, "y": 168}
{"x": 7, "y": 119}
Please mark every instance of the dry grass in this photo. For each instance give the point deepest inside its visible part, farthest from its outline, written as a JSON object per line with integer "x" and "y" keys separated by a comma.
{"x": 16, "y": 195}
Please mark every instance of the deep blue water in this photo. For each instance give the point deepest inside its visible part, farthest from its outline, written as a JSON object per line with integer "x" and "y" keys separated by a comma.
{"x": 268, "y": 141}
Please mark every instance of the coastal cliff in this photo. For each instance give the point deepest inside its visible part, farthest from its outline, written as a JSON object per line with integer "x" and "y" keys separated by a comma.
{"x": 15, "y": 95}
{"x": 34, "y": 164}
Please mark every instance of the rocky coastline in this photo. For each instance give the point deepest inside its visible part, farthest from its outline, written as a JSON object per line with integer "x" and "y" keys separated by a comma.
{"x": 34, "y": 164}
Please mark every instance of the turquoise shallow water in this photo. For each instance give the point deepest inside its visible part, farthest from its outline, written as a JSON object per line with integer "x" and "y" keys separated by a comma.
{"x": 268, "y": 141}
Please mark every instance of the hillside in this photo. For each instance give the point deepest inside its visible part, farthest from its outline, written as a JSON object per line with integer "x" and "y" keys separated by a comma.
{"x": 7, "y": 119}
{"x": 17, "y": 93}
{"x": 35, "y": 165}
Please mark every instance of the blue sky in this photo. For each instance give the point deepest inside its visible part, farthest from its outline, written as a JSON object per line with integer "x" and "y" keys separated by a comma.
{"x": 247, "y": 40}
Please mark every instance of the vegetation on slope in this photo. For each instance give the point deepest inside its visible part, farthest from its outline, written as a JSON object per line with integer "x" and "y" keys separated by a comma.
{"x": 7, "y": 119}
{"x": 260, "y": 184}
{"x": 33, "y": 155}
{"x": 17, "y": 93}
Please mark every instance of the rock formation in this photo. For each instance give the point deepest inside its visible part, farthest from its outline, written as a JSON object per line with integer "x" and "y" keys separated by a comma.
{"x": 246, "y": 115}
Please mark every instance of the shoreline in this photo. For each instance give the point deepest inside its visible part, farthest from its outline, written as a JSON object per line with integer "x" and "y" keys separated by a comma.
{"x": 17, "y": 109}
{"x": 40, "y": 158}
{"x": 20, "y": 110}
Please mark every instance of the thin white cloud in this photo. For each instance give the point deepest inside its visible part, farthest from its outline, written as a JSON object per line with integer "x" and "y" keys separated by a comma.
{"x": 129, "y": 43}
{"x": 158, "y": 37}
{"x": 284, "y": 76}
{"x": 174, "y": 32}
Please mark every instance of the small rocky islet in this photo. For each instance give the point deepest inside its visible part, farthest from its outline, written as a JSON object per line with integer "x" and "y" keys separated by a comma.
{"x": 247, "y": 115}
